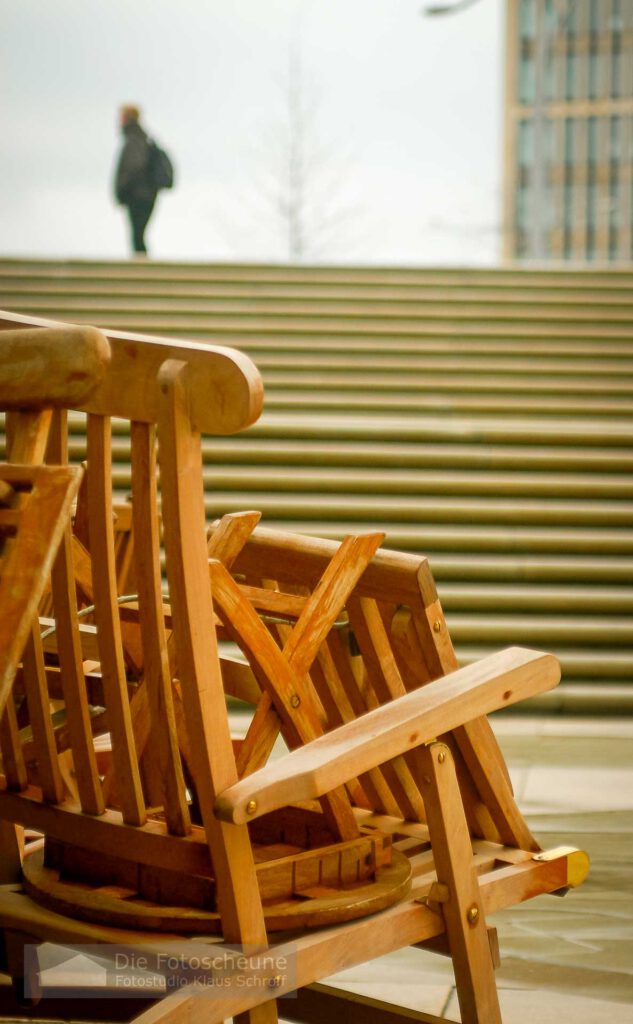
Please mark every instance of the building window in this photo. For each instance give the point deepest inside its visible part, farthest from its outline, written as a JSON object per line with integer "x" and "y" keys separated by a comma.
{"x": 527, "y": 19}
{"x": 568, "y": 205}
{"x": 616, "y": 71}
{"x": 527, "y": 79}
{"x": 594, "y": 17}
{"x": 590, "y": 214}
{"x": 568, "y": 218}
{"x": 593, "y": 85}
{"x": 571, "y": 72}
{"x": 592, "y": 141}
{"x": 615, "y": 21}
{"x": 521, "y": 208}
{"x": 569, "y": 142}
{"x": 614, "y": 197}
{"x": 525, "y": 143}
{"x": 614, "y": 139}
{"x": 593, "y": 54}
{"x": 591, "y": 204}
{"x": 615, "y": 24}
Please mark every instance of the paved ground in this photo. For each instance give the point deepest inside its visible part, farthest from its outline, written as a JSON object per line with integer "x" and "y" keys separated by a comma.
{"x": 570, "y": 960}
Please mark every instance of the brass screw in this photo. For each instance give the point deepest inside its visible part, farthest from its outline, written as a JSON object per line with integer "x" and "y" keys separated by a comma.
{"x": 441, "y": 757}
{"x": 251, "y": 806}
{"x": 275, "y": 982}
{"x": 295, "y": 700}
{"x": 472, "y": 914}
{"x": 437, "y": 626}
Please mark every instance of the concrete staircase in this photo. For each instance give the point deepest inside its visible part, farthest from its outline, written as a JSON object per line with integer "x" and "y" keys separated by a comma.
{"x": 483, "y": 417}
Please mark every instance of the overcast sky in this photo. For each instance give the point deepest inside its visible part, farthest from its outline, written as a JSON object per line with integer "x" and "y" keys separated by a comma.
{"x": 407, "y": 108}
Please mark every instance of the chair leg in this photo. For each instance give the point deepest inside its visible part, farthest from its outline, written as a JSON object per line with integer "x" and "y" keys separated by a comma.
{"x": 19, "y": 967}
{"x": 462, "y": 909}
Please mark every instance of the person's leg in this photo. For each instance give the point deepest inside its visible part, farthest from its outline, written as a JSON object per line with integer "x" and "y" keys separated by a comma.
{"x": 140, "y": 213}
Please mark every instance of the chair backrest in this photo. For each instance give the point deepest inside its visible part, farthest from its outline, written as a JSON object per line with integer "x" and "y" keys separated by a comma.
{"x": 170, "y": 393}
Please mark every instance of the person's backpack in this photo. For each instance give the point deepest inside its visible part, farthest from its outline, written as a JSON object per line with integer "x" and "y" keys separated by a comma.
{"x": 160, "y": 170}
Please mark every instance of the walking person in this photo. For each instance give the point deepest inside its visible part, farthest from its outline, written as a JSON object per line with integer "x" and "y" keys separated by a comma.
{"x": 143, "y": 168}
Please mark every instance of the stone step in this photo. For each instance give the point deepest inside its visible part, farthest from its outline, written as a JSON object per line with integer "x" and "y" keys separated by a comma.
{"x": 556, "y": 600}
{"x": 555, "y": 631}
{"x": 612, "y": 278}
{"x": 373, "y": 297}
{"x": 406, "y": 483}
{"x": 594, "y": 667}
{"x": 351, "y": 379}
{"x": 527, "y": 569}
{"x": 428, "y": 401}
{"x": 430, "y": 509}
{"x": 433, "y": 429}
{"x": 240, "y": 326}
{"x": 528, "y": 491}
{"x": 359, "y": 314}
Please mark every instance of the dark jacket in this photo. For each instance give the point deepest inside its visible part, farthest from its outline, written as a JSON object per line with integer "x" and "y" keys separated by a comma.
{"x": 132, "y": 184}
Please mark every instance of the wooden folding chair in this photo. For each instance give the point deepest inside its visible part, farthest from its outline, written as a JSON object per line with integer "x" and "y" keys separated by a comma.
{"x": 390, "y": 821}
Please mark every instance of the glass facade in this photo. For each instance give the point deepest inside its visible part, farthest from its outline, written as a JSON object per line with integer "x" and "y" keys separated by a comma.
{"x": 570, "y": 114}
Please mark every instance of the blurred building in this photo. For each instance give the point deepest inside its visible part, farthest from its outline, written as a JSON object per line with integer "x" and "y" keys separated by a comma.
{"x": 568, "y": 191}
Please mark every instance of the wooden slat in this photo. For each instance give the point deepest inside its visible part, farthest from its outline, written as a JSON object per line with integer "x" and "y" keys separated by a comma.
{"x": 345, "y": 704}
{"x": 13, "y": 764}
{"x": 157, "y": 674}
{"x": 328, "y": 598}
{"x": 321, "y": 609}
{"x": 69, "y": 651}
{"x": 124, "y": 538}
{"x": 274, "y": 602}
{"x": 229, "y": 536}
{"x": 383, "y": 677}
{"x": 488, "y": 771}
{"x": 124, "y": 754}
{"x": 36, "y": 689}
{"x": 284, "y": 692}
{"x": 27, "y": 436}
{"x": 363, "y": 793}
{"x": 408, "y": 650}
{"x": 27, "y": 558}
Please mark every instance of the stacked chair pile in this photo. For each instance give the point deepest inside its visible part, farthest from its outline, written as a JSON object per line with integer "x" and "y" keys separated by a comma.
{"x": 388, "y": 821}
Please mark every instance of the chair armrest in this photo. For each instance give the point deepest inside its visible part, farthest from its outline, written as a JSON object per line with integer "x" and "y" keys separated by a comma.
{"x": 308, "y": 772}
